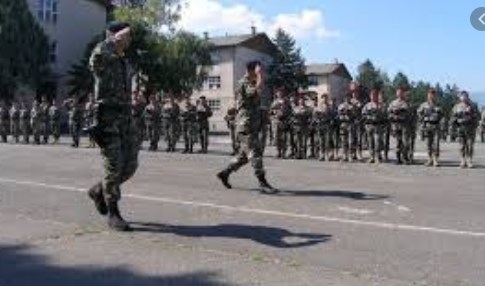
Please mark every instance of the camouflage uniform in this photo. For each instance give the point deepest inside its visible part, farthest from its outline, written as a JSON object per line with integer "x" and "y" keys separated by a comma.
{"x": 302, "y": 115}
{"x": 312, "y": 133}
{"x": 204, "y": 112}
{"x": 114, "y": 128}
{"x": 45, "y": 128}
{"x": 374, "y": 117}
{"x": 346, "y": 119}
{"x": 89, "y": 110}
{"x": 188, "y": 118}
{"x": 399, "y": 115}
{"x": 75, "y": 112}
{"x": 15, "y": 123}
{"x": 25, "y": 123}
{"x": 171, "y": 113}
{"x": 325, "y": 116}
{"x": 36, "y": 121}
{"x": 4, "y": 122}
{"x": 281, "y": 113}
{"x": 430, "y": 116}
{"x": 138, "y": 117}
{"x": 55, "y": 122}
{"x": 465, "y": 117}
{"x": 357, "y": 130}
{"x": 152, "y": 120}
{"x": 230, "y": 119}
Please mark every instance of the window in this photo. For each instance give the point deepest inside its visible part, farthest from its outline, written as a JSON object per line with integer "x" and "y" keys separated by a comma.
{"x": 53, "y": 52}
{"x": 212, "y": 82}
{"x": 215, "y": 104}
{"x": 313, "y": 80}
{"x": 47, "y": 10}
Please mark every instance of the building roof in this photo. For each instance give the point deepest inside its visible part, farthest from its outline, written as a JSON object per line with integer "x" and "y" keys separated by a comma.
{"x": 258, "y": 41}
{"x": 327, "y": 69}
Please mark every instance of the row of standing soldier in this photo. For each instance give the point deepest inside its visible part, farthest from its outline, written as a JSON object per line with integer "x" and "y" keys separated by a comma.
{"x": 341, "y": 132}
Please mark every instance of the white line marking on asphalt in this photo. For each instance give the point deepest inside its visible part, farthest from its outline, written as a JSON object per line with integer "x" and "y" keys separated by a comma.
{"x": 375, "y": 224}
{"x": 399, "y": 207}
{"x": 355, "y": 211}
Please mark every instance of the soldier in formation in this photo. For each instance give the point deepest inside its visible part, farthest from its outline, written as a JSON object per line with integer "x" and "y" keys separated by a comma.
{"x": 4, "y": 122}
{"x": 357, "y": 128}
{"x": 44, "y": 124}
{"x": 346, "y": 118}
{"x": 55, "y": 121}
{"x": 281, "y": 112}
{"x": 312, "y": 132}
{"x": 373, "y": 118}
{"x": 302, "y": 116}
{"x": 400, "y": 118}
{"x": 15, "y": 122}
{"x": 75, "y": 111}
{"x": 152, "y": 118}
{"x": 36, "y": 122}
{"x": 430, "y": 115}
{"x": 204, "y": 112}
{"x": 25, "y": 122}
{"x": 171, "y": 114}
{"x": 465, "y": 116}
{"x": 325, "y": 117}
{"x": 188, "y": 118}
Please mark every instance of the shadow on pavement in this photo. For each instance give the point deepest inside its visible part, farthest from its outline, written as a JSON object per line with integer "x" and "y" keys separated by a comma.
{"x": 359, "y": 196}
{"x": 270, "y": 236}
{"x": 19, "y": 266}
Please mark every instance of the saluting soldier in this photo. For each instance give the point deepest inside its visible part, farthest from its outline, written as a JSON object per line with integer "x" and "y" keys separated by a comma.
{"x": 430, "y": 115}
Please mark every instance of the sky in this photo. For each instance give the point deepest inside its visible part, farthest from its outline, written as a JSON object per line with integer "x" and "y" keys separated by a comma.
{"x": 430, "y": 40}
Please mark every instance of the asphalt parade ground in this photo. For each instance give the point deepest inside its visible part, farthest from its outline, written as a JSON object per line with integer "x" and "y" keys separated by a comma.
{"x": 332, "y": 224}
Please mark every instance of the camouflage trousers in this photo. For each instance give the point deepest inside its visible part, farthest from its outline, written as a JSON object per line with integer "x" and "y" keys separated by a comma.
{"x": 171, "y": 135}
{"x": 249, "y": 151}
{"x": 326, "y": 141}
{"x": 120, "y": 157}
{"x": 189, "y": 134}
{"x": 433, "y": 136}
{"x": 467, "y": 141}
{"x": 36, "y": 131}
{"x": 282, "y": 133}
{"x": 346, "y": 140}
{"x": 204, "y": 136}
{"x": 75, "y": 130}
{"x": 15, "y": 130}
{"x": 375, "y": 136}
{"x": 4, "y": 130}
{"x": 404, "y": 139}
{"x": 301, "y": 142}
{"x": 153, "y": 134}
{"x": 25, "y": 129}
{"x": 46, "y": 131}
{"x": 55, "y": 128}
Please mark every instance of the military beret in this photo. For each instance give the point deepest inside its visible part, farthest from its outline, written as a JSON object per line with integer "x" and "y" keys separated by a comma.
{"x": 115, "y": 27}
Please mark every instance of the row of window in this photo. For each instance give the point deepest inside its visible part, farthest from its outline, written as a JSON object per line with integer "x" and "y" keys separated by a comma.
{"x": 47, "y": 10}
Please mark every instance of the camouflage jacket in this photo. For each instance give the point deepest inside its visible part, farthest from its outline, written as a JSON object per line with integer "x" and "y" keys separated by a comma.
{"x": 430, "y": 115}
{"x": 152, "y": 114}
{"x": 14, "y": 114}
{"x": 399, "y": 112}
{"x": 465, "y": 115}
{"x": 248, "y": 118}
{"x": 188, "y": 114}
{"x": 54, "y": 114}
{"x": 325, "y": 115}
{"x": 281, "y": 110}
{"x": 374, "y": 114}
{"x": 346, "y": 113}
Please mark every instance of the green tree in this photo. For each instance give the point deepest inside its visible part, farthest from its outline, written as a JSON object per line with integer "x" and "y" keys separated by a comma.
{"x": 24, "y": 48}
{"x": 401, "y": 81}
{"x": 288, "y": 67}
{"x": 369, "y": 76}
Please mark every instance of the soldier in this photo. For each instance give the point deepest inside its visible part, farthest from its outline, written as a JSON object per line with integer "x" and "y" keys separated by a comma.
{"x": 4, "y": 121}
{"x": 430, "y": 115}
{"x": 482, "y": 127}
{"x": 248, "y": 127}
{"x": 302, "y": 115}
{"x": 373, "y": 116}
{"x": 89, "y": 109}
{"x": 188, "y": 118}
{"x": 171, "y": 113}
{"x": 346, "y": 119}
{"x": 114, "y": 129}
{"x": 400, "y": 118}
{"x": 386, "y": 136}
{"x": 15, "y": 122}
{"x": 325, "y": 115}
{"x": 138, "y": 116}
{"x": 204, "y": 112}
{"x": 293, "y": 137}
{"x": 55, "y": 121}
{"x": 45, "y": 128}
{"x": 75, "y": 111}
{"x": 230, "y": 119}
{"x": 465, "y": 116}
{"x": 312, "y": 130}
{"x": 25, "y": 122}
{"x": 152, "y": 118}
{"x": 357, "y": 130}
{"x": 281, "y": 113}
{"x": 36, "y": 121}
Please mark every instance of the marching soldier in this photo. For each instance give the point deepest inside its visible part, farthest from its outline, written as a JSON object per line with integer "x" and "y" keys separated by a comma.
{"x": 89, "y": 110}
{"x": 55, "y": 121}
{"x": 430, "y": 115}
{"x": 465, "y": 116}
{"x": 399, "y": 116}
{"x": 281, "y": 113}
{"x": 45, "y": 128}
{"x": 36, "y": 121}
{"x": 188, "y": 118}
{"x": 152, "y": 118}
{"x": 204, "y": 112}
{"x": 230, "y": 119}
{"x": 302, "y": 115}
{"x": 374, "y": 115}
{"x": 25, "y": 122}
{"x": 325, "y": 116}
{"x": 15, "y": 122}
{"x": 346, "y": 119}
{"x": 4, "y": 121}
{"x": 75, "y": 111}
{"x": 170, "y": 113}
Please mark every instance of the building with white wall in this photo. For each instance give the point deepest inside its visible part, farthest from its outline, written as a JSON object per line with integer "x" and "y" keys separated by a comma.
{"x": 333, "y": 79}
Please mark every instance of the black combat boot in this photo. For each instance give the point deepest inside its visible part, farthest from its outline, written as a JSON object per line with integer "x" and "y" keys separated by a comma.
{"x": 115, "y": 221}
{"x": 96, "y": 194}
{"x": 266, "y": 188}
{"x": 224, "y": 177}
